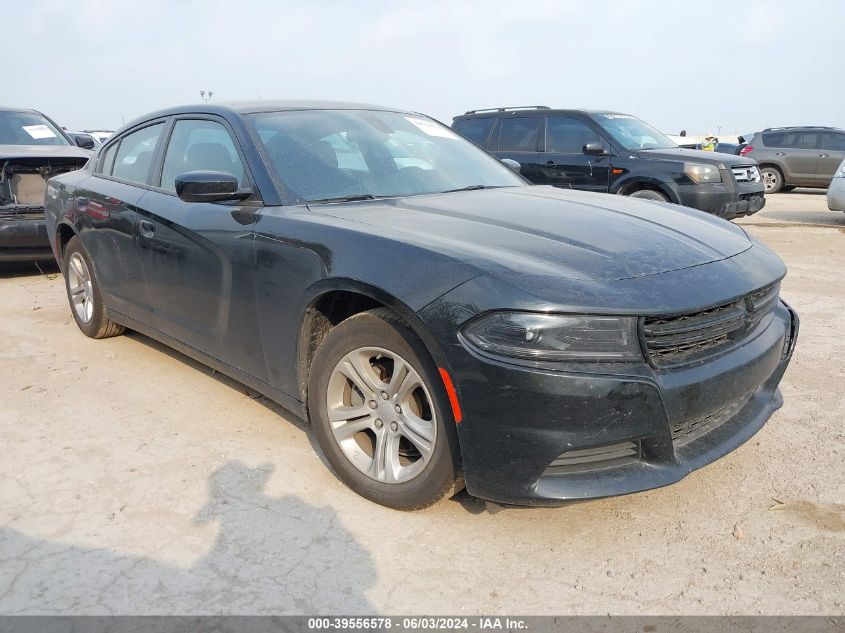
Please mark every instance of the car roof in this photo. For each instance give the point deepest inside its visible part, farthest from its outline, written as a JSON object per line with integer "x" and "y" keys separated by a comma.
{"x": 529, "y": 110}
{"x": 10, "y": 109}
{"x": 254, "y": 107}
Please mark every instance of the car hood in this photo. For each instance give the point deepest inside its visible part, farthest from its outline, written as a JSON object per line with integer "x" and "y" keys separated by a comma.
{"x": 548, "y": 231}
{"x": 696, "y": 156}
{"x": 43, "y": 151}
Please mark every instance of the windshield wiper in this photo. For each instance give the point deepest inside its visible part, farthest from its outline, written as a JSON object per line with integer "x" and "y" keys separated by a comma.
{"x": 362, "y": 196}
{"x": 473, "y": 188}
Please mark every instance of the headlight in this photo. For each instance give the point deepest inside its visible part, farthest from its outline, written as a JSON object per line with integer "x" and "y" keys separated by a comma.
{"x": 699, "y": 172}
{"x": 840, "y": 173}
{"x": 556, "y": 337}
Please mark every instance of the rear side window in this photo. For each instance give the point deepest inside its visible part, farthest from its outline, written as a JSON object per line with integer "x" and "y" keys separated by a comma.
{"x": 135, "y": 154}
{"x": 107, "y": 160}
{"x": 802, "y": 140}
{"x": 774, "y": 139}
{"x": 200, "y": 145}
{"x": 475, "y": 130}
{"x": 834, "y": 141}
{"x": 565, "y": 135}
{"x": 519, "y": 134}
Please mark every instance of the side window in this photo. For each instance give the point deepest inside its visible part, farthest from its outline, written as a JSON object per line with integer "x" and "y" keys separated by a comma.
{"x": 107, "y": 160}
{"x": 135, "y": 154}
{"x": 565, "y": 135}
{"x": 774, "y": 139}
{"x": 519, "y": 134}
{"x": 834, "y": 141}
{"x": 200, "y": 145}
{"x": 475, "y": 130}
{"x": 802, "y": 140}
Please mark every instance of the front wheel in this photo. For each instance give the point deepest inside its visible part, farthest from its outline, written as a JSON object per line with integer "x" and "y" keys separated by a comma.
{"x": 83, "y": 293}
{"x": 772, "y": 179}
{"x": 380, "y": 414}
{"x": 649, "y": 194}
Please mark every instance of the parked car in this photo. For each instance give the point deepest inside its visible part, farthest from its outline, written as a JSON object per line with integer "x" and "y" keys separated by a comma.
{"x": 437, "y": 319}
{"x": 836, "y": 190}
{"x": 792, "y": 157}
{"x": 101, "y": 136}
{"x": 610, "y": 152}
{"x": 32, "y": 149}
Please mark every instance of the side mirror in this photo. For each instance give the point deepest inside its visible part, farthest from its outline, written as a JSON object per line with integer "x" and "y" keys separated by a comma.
{"x": 595, "y": 149}
{"x": 209, "y": 186}
{"x": 84, "y": 141}
{"x": 512, "y": 164}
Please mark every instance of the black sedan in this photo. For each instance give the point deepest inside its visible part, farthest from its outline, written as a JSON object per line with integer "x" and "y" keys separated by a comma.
{"x": 437, "y": 319}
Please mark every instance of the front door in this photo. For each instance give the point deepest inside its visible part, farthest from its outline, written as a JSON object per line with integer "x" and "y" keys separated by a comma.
{"x": 197, "y": 257}
{"x": 831, "y": 155}
{"x": 564, "y": 163}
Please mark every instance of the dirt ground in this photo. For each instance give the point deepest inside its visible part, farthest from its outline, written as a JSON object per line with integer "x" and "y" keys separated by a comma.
{"x": 134, "y": 480}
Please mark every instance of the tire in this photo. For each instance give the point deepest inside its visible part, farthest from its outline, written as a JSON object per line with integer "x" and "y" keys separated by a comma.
{"x": 649, "y": 194}
{"x": 787, "y": 188}
{"x": 83, "y": 294}
{"x": 772, "y": 179}
{"x": 414, "y": 415}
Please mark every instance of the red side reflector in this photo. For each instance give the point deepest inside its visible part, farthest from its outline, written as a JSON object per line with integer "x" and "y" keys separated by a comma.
{"x": 453, "y": 396}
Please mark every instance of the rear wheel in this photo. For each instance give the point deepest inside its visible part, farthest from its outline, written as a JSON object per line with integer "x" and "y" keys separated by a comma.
{"x": 772, "y": 179}
{"x": 380, "y": 414}
{"x": 83, "y": 293}
{"x": 649, "y": 194}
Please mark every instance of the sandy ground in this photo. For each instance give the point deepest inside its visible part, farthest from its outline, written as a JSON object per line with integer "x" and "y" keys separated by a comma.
{"x": 133, "y": 480}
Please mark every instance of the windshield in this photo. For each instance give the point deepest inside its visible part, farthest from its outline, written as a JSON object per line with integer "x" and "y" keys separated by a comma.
{"x": 321, "y": 155}
{"x": 28, "y": 128}
{"x": 632, "y": 133}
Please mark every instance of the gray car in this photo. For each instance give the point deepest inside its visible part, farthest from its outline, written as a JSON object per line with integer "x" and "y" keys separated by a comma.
{"x": 792, "y": 157}
{"x": 836, "y": 190}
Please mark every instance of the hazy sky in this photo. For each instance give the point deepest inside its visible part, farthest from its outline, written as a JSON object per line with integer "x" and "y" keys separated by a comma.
{"x": 695, "y": 65}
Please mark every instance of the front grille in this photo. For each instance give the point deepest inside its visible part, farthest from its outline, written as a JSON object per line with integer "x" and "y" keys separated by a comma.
{"x": 746, "y": 173}
{"x": 594, "y": 458}
{"x": 693, "y": 337}
{"x": 688, "y": 429}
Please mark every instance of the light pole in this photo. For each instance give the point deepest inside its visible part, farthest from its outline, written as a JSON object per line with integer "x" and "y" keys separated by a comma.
{"x": 203, "y": 94}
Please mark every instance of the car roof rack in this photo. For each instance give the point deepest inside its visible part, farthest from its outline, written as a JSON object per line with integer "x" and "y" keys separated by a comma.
{"x": 511, "y": 109}
{"x": 800, "y": 127}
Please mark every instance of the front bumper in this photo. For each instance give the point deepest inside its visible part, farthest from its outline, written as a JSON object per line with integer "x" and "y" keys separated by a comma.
{"x": 518, "y": 421}
{"x": 24, "y": 239}
{"x": 836, "y": 195}
{"x": 728, "y": 201}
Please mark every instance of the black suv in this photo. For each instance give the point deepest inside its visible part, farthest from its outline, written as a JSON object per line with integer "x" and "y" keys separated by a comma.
{"x": 610, "y": 152}
{"x": 792, "y": 157}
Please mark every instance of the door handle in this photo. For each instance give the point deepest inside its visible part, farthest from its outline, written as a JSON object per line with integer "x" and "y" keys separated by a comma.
{"x": 550, "y": 163}
{"x": 824, "y": 155}
{"x": 780, "y": 153}
{"x": 148, "y": 229}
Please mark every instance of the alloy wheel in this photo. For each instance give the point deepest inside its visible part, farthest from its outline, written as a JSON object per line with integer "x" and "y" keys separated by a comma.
{"x": 770, "y": 180}
{"x": 81, "y": 289}
{"x": 381, "y": 414}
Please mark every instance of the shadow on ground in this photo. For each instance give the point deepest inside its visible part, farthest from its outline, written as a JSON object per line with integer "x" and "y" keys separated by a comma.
{"x": 273, "y": 555}
{"x": 9, "y": 270}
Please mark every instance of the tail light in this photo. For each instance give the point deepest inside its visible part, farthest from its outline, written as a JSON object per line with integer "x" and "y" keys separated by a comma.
{"x": 745, "y": 150}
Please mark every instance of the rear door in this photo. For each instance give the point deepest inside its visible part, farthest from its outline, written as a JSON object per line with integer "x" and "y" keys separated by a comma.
{"x": 197, "y": 256}
{"x": 518, "y": 138}
{"x": 799, "y": 154}
{"x": 563, "y": 162}
{"x": 831, "y": 155}
{"x": 108, "y": 217}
